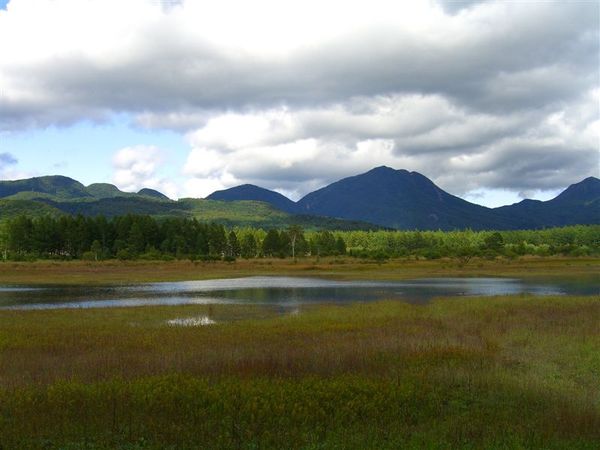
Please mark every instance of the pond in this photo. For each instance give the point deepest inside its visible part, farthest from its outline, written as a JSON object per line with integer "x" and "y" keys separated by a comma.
{"x": 288, "y": 293}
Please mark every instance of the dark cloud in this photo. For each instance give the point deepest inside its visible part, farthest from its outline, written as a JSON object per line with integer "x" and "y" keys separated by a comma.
{"x": 528, "y": 58}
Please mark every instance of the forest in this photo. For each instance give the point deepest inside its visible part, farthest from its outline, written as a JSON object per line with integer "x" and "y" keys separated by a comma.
{"x": 144, "y": 237}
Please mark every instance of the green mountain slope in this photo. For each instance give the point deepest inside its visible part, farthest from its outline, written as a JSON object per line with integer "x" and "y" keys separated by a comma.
{"x": 106, "y": 190}
{"x": 153, "y": 194}
{"x": 14, "y": 208}
{"x": 106, "y": 200}
{"x": 55, "y": 185}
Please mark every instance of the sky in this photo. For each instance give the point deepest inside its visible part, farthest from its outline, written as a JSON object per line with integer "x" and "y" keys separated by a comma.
{"x": 494, "y": 101}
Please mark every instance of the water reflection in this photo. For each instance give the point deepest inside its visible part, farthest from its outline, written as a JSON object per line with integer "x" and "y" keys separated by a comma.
{"x": 286, "y": 292}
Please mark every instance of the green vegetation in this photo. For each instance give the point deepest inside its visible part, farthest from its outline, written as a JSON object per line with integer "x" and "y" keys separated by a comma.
{"x": 57, "y": 195}
{"x": 239, "y": 213}
{"x": 144, "y": 237}
{"x": 511, "y": 372}
{"x": 16, "y": 208}
{"x": 578, "y": 240}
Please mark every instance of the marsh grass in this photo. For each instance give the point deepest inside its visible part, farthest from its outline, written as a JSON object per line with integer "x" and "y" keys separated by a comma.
{"x": 501, "y": 372}
{"x": 115, "y": 272}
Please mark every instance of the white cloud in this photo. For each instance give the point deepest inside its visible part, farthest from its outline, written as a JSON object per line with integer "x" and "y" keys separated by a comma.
{"x": 138, "y": 167}
{"x": 202, "y": 187}
{"x": 299, "y": 150}
{"x": 494, "y": 94}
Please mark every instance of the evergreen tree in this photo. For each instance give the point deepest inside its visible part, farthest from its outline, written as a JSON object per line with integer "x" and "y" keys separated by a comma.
{"x": 271, "y": 243}
{"x": 217, "y": 241}
{"x": 340, "y": 246}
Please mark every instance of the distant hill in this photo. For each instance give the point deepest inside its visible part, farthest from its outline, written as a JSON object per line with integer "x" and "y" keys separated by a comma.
{"x": 255, "y": 193}
{"x": 397, "y": 199}
{"x": 153, "y": 194}
{"x": 105, "y": 190}
{"x": 409, "y": 200}
{"x": 381, "y": 197}
{"x": 61, "y": 195}
{"x": 56, "y": 185}
{"x": 578, "y": 204}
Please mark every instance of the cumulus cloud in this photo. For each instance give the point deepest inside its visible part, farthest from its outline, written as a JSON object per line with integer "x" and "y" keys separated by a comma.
{"x": 295, "y": 151}
{"x": 138, "y": 167}
{"x": 474, "y": 94}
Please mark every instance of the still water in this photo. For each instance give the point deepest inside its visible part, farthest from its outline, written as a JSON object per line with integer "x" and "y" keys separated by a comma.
{"x": 284, "y": 292}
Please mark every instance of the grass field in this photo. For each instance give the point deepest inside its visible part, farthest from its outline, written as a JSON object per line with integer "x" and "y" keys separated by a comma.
{"x": 504, "y": 372}
{"x": 108, "y": 272}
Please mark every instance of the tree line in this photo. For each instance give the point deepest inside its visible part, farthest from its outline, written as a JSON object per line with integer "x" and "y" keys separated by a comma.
{"x": 145, "y": 237}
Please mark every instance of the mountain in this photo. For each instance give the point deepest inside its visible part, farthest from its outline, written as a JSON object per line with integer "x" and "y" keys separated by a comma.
{"x": 255, "y": 193}
{"x": 584, "y": 192}
{"x": 381, "y": 197}
{"x": 56, "y": 185}
{"x": 398, "y": 199}
{"x": 578, "y": 204}
{"x": 153, "y": 194}
{"x": 409, "y": 200}
{"x": 105, "y": 190}
{"x": 61, "y": 195}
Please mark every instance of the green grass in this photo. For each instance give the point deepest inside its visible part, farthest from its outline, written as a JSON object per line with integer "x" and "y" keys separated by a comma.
{"x": 503, "y": 372}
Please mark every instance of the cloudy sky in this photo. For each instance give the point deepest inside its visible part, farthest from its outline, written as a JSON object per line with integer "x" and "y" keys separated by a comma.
{"x": 492, "y": 100}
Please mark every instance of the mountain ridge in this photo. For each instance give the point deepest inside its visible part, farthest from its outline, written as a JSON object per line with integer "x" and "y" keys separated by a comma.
{"x": 380, "y": 197}
{"x": 58, "y": 195}
{"x": 409, "y": 200}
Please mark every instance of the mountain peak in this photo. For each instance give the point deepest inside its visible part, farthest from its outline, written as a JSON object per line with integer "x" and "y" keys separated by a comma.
{"x": 386, "y": 170}
{"x": 392, "y": 198}
{"x": 255, "y": 193}
{"x": 147, "y": 192}
{"x": 57, "y": 185}
{"x": 381, "y": 169}
{"x": 584, "y": 191}
{"x": 104, "y": 190}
